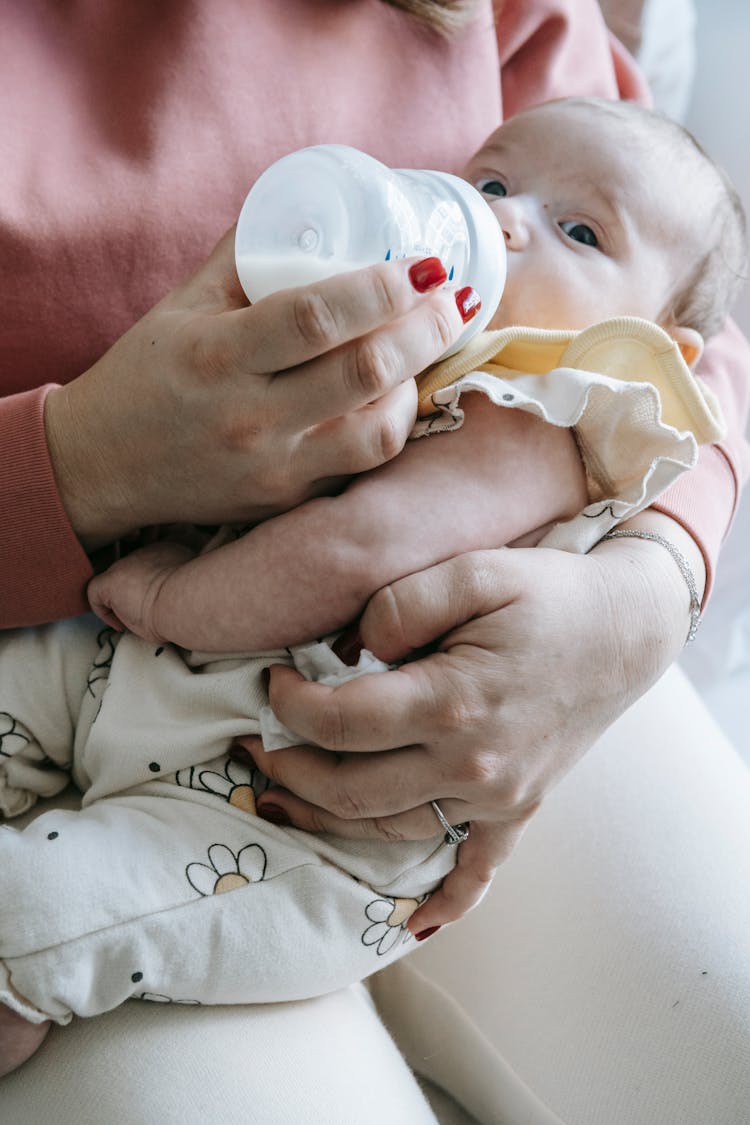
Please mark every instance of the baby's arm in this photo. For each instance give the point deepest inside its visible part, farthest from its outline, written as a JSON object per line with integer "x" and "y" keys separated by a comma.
{"x": 504, "y": 475}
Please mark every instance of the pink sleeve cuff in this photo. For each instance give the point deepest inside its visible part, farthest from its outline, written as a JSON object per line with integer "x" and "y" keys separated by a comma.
{"x": 43, "y": 568}
{"x": 699, "y": 501}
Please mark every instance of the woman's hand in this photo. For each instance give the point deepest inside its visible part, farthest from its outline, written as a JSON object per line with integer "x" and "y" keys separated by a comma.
{"x": 211, "y": 411}
{"x": 540, "y": 652}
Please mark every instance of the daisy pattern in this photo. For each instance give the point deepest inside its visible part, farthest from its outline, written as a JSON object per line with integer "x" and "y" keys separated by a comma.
{"x": 232, "y": 780}
{"x": 388, "y": 917}
{"x": 227, "y": 871}
{"x": 12, "y": 736}
{"x": 15, "y": 739}
{"x": 107, "y": 641}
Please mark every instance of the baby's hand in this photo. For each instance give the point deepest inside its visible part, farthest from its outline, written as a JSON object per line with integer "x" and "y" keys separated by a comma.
{"x": 125, "y": 596}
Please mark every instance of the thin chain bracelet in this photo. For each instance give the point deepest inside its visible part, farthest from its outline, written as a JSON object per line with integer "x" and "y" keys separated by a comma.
{"x": 684, "y": 568}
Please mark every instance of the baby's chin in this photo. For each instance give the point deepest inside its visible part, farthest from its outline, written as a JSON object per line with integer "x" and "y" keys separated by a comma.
{"x": 510, "y": 314}
{"x": 499, "y": 320}
{"x": 507, "y": 318}
{"x": 515, "y": 318}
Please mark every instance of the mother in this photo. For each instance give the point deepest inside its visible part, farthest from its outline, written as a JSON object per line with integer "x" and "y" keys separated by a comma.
{"x": 132, "y": 133}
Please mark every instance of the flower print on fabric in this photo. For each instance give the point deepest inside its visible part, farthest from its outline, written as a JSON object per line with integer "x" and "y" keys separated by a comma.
{"x": 13, "y": 736}
{"x": 227, "y": 871}
{"x": 107, "y": 641}
{"x": 15, "y": 739}
{"x": 237, "y": 783}
{"x": 388, "y": 917}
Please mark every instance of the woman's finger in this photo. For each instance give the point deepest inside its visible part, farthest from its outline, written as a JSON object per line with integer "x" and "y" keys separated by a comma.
{"x": 413, "y": 612}
{"x": 283, "y": 807}
{"x": 465, "y": 886}
{"x": 214, "y": 287}
{"x": 360, "y": 440}
{"x": 381, "y": 711}
{"x": 294, "y": 326}
{"x": 352, "y": 787}
{"x": 359, "y": 371}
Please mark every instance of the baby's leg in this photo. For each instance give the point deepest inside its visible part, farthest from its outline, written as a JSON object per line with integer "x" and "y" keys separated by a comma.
{"x": 176, "y": 894}
{"x": 18, "y": 1039}
{"x": 503, "y": 475}
{"x": 46, "y": 674}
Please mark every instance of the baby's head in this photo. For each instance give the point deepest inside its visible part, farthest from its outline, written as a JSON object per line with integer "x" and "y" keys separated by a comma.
{"x": 610, "y": 209}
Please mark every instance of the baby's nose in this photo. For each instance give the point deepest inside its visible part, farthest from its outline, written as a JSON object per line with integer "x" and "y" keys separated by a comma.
{"x": 513, "y": 220}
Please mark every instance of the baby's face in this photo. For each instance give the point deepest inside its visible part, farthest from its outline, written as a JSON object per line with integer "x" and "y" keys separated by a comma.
{"x": 591, "y": 223}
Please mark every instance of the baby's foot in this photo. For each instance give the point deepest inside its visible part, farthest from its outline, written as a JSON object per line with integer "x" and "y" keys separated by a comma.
{"x": 18, "y": 1039}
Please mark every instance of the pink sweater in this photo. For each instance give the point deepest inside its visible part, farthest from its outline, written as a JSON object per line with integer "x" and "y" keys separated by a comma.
{"x": 131, "y": 133}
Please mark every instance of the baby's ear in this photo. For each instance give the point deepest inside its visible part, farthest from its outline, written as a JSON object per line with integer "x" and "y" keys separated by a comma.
{"x": 690, "y": 343}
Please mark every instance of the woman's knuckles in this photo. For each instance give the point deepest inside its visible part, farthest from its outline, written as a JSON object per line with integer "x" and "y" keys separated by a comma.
{"x": 391, "y": 830}
{"x": 475, "y": 583}
{"x": 348, "y": 804}
{"x": 373, "y": 368}
{"x": 443, "y": 327}
{"x": 328, "y": 725}
{"x": 315, "y": 321}
{"x": 388, "y": 437}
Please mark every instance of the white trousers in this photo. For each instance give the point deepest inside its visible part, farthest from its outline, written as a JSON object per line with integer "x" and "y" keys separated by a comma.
{"x": 165, "y": 886}
{"x": 605, "y": 980}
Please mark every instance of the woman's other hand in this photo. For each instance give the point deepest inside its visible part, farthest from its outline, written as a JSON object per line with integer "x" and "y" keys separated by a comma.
{"x": 540, "y": 652}
{"x": 210, "y": 411}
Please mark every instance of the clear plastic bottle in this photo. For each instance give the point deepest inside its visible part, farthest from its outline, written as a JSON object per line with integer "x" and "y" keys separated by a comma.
{"x": 330, "y": 208}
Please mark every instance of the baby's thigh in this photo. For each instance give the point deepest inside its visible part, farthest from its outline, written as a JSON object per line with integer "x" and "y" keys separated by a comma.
{"x": 51, "y": 679}
{"x": 181, "y": 897}
{"x": 46, "y": 673}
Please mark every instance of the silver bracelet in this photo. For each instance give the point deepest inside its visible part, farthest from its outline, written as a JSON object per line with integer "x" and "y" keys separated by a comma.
{"x": 684, "y": 568}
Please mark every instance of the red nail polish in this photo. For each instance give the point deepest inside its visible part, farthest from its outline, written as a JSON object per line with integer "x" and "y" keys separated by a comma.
{"x": 427, "y": 274}
{"x": 275, "y": 814}
{"x": 349, "y": 645}
{"x": 426, "y": 933}
{"x": 469, "y": 303}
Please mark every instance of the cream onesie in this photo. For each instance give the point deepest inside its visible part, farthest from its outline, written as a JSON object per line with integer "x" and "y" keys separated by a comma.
{"x": 165, "y": 885}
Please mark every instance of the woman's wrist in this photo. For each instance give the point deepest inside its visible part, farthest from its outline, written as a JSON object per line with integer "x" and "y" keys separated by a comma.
{"x": 680, "y": 562}
{"x": 670, "y": 564}
{"x": 97, "y": 511}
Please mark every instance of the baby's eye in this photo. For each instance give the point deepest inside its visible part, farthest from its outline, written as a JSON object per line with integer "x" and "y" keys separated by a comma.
{"x": 492, "y": 187}
{"x": 579, "y": 232}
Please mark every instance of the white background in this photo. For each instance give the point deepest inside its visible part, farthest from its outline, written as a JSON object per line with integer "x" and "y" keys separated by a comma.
{"x": 719, "y": 116}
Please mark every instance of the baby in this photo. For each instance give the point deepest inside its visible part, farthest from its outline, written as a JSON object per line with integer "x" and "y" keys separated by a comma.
{"x": 608, "y": 211}
{"x": 625, "y": 245}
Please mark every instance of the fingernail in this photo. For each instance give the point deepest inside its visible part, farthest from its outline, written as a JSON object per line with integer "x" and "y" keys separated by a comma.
{"x": 427, "y": 274}
{"x": 423, "y": 934}
{"x": 265, "y": 678}
{"x": 469, "y": 303}
{"x": 349, "y": 645}
{"x": 274, "y": 813}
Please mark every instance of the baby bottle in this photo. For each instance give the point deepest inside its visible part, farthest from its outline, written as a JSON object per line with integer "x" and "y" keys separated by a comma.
{"x": 330, "y": 208}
